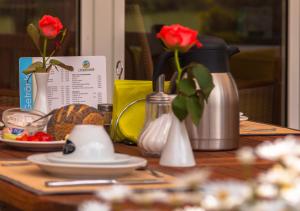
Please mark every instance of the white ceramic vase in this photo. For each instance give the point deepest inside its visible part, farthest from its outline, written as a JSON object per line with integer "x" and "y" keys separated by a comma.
{"x": 177, "y": 151}
{"x": 41, "y": 92}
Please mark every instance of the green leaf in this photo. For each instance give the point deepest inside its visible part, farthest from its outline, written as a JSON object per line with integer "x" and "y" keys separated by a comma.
{"x": 60, "y": 64}
{"x": 49, "y": 68}
{"x": 204, "y": 79}
{"x": 34, "y": 67}
{"x": 187, "y": 87}
{"x": 34, "y": 34}
{"x": 195, "y": 106}
{"x": 179, "y": 107}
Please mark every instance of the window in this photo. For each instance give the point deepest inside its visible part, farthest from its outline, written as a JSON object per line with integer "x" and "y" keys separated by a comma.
{"x": 15, "y": 15}
{"x": 257, "y": 27}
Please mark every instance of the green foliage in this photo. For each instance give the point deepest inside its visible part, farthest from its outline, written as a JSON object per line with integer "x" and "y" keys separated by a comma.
{"x": 195, "y": 106}
{"x": 47, "y": 63}
{"x": 204, "y": 79}
{"x": 34, "y": 34}
{"x": 179, "y": 107}
{"x": 187, "y": 87}
{"x": 34, "y": 67}
{"x": 193, "y": 91}
{"x": 38, "y": 67}
{"x": 55, "y": 62}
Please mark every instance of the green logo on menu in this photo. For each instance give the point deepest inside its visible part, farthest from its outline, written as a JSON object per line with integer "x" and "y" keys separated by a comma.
{"x": 85, "y": 64}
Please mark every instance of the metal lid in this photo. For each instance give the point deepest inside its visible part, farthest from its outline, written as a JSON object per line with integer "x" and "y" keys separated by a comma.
{"x": 105, "y": 107}
{"x": 158, "y": 97}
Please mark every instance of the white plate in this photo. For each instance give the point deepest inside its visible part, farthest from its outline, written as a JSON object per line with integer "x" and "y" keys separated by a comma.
{"x": 35, "y": 145}
{"x": 59, "y": 157}
{"x": 87, "y": 171}
{"x": 243, "y": 118}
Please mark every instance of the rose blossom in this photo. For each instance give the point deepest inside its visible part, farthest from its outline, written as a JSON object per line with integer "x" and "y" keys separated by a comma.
{"x": 50, "y": 26}
{"x": 179, "y": 37}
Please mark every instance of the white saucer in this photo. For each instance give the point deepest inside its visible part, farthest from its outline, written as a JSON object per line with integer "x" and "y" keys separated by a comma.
{"x": 87, "y": 171}
{"x": 40, "y": 146}
{"x": 59, "y": 157}
{"x": 243, "y": 118}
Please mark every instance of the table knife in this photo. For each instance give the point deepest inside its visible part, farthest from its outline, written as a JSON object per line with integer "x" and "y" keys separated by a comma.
{"x": 68, "y": 183}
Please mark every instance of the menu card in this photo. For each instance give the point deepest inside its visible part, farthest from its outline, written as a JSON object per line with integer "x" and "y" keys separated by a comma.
{"x": 85, "y": 85}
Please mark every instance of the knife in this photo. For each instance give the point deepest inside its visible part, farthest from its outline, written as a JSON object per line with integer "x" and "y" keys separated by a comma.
{"x": 69, "y": 183}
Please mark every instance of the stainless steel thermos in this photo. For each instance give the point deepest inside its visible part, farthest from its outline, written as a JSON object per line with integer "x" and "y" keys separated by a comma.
{"x": 219, "y": 126}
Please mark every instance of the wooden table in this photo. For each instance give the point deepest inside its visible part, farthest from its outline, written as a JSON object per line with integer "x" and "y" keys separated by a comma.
{"x": 223, "y": 165}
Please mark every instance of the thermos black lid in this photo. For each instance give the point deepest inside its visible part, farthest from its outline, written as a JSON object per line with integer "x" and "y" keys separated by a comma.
{"x": 214, "y": 54}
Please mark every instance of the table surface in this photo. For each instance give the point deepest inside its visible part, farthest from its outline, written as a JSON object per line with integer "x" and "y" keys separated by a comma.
{"x": 223, "y": 165}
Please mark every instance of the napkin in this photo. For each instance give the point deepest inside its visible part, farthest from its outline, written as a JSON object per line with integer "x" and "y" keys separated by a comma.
{"x": 129, "y": 98}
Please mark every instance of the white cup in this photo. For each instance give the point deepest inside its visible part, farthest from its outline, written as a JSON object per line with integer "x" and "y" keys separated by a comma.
{"x": 92, "y": 143}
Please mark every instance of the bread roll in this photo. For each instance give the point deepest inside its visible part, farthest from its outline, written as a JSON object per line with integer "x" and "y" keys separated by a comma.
{"x": 65, "y": 118}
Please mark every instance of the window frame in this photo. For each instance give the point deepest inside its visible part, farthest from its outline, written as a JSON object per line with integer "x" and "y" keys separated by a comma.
{"x": 102, "y": 33}
{"x": 293, "y": 63}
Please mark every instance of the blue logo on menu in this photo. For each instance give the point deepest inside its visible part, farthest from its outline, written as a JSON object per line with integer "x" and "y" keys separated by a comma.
{"x": 25, "y": 84}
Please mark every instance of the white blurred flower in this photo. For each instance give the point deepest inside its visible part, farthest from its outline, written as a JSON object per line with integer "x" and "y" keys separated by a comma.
{"x": 246, "y": 155}
{"x": 189, "y": 208}
{"x": 116, "y": 193}
{"x": 278, "y": 175}
{"x": 94, "y": 206}
{"x": 267, "y": 205}
{"x": 225, "y": 194}
{"x": 211, "y": 203}
{"x": 192, "y": 179}
{"x": 278, "y": 149}
{"x": 150, "y": 197}
{"x": 266, "y": 190}
{"x": 292, "y": 163}
{"x": 291, "y": 194}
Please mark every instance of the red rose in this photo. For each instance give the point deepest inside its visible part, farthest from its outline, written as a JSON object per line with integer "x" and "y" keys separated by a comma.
{"x": 179, "y": 37}
{"x": 50, "y": 26}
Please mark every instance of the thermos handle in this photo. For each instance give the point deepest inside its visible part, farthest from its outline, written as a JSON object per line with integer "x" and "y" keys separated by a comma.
{"x": 232, "y": 50}
{"x": 158, "y": 70}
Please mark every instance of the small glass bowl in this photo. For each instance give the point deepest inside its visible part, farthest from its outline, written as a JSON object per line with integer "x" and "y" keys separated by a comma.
{"x": 17, "y": 118}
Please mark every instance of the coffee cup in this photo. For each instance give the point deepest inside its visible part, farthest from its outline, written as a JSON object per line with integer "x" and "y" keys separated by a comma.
{"x": 88, "y": 143}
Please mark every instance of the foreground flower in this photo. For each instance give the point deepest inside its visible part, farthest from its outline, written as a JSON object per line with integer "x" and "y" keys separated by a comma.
{"x": 225, "y": 195}
{"x": 290, "y": 194}
{"x": 279, "y": 176}
{"x": 266, "y": 190}
{"x": 177, "y": 37}
{"x": 246, "y": 155}
{"x": 150, "y": 197}
{"x": 278, "y": 149}
{"x": 192, "y": 179}
{"x": 94, "y": 206}
{"x": 273, "y": 205}
{"x": 50, "y": 26}
{"x": 116, "y": 193}
{"x": 292, "y": 163}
